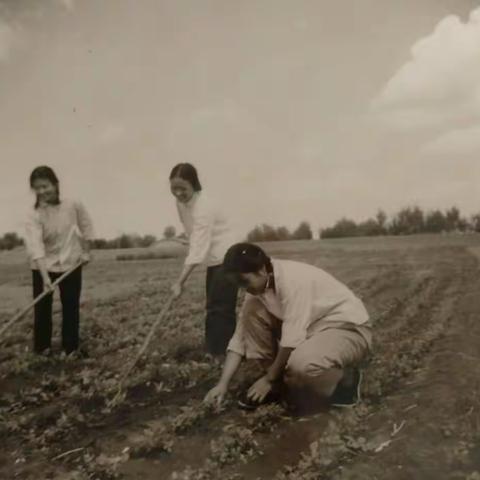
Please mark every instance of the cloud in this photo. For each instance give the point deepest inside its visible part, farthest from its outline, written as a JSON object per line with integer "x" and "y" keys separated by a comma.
{"x": 463, "y": 142}
{"x": 7, "y": 38}
{"x": 438, "y": 90}
{"x": 67, "y": 4}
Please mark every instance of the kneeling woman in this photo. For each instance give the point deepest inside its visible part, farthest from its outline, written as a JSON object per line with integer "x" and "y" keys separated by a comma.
{"x": 308, "y": 331}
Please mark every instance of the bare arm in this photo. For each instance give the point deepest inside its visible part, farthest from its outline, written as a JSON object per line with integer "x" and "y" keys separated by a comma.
{"x": 42, "y": 267}
{"x": 217, "y": 393}
{"x": 261, "y": 388}
{"x": 277, "y": 368}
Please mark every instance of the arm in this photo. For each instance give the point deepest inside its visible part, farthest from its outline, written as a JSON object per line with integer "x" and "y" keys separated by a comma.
{"x": 42, "y": 267}
{"x": 260, "y": 389}
{"x": 177, "y": 287}
{"x": 85, "y": 226}
{"x": 200, "y": 241}
{"x": 277, "y": 368}
{"x": 36, "y": 248}
{"x": 217, "y": 393}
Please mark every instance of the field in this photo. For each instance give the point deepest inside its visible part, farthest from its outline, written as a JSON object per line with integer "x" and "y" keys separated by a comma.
{"x": 420, "y": 417}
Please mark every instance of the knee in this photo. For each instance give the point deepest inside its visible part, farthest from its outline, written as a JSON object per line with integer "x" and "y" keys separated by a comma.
{"x": 298, "y": 370}
{"x": 256, "y": 315}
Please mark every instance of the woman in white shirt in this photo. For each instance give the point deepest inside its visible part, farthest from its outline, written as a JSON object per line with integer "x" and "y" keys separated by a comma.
{"x": 307, "y": 330}
{"x": 57, "y": 236}
{"x": 210, "y": 234}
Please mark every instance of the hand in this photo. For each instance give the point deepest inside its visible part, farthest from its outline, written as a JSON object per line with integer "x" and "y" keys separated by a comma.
{"x": 176, "y": 289}
{"x": 86, "y": 257}
{"x": 260, "y": 389}
{"x": 216, "y": 394}
{"x": 47, "y": 285}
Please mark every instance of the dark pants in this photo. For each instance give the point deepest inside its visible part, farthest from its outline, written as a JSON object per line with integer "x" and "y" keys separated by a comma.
{"x": 70, "y": 289}
{"x": 221, "y": 310}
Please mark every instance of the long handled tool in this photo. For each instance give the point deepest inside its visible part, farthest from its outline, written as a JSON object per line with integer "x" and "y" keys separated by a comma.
{"x": 143, "y": 348}
{"x": 21, "y": 314}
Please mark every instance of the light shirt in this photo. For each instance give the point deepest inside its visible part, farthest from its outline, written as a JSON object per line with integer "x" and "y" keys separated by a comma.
{"x": 209, "y": 230}
{"x": 56, "y": 232}
{"x": 304, "y": 297}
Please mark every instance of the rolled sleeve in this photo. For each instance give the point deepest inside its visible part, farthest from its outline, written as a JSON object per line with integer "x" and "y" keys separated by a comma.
{"x": 297, "y": 312}
{"x": 237, "y": 343}
{"x": 34, "y": 237}
{"x": 84, "y": 220}
{"x": 201, "y": 237}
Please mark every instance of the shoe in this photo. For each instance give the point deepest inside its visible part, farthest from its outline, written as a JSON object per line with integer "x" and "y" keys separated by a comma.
{"x": 348, "y": 396}
{"x": 246, "y": 403}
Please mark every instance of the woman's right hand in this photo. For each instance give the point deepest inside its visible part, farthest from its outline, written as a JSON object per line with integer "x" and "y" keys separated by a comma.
{"x": 216, "y": 394}
{"x": 48, "y": 285}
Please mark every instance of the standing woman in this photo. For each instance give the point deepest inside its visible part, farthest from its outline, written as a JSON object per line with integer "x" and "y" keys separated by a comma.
{"x": 58, "y": 232}
{"x": 210, "y": 235}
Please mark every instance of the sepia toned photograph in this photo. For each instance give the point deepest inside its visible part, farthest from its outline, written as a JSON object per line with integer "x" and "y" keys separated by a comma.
{"x": 240, "y": 240}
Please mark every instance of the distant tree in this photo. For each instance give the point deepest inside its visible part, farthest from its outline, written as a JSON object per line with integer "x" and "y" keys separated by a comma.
{"x": 169, "y": 232}
{"x": 147, "y": 240}
{"x": 303, "y": 232}
{"x": 125, "y": 241}
{"x": 343, "y": 228}
{"x": 475, "y": 222}
{"x": 381, "y": 218}
{"x": 283, "y": 233}
{"x": 369, "y": 228}
{"x": 453, "y": 220}
{"x": 435, "y": 222}
{"x": 407, "y": 221}
{"x": 100, "y": 243}
{"x": 255, "y": 235}
{"x": 10, "y": 240}
{"x": 268, "y": 233}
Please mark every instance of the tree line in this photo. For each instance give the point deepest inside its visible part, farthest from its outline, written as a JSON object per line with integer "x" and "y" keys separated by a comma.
{"x": 408, "y": 221}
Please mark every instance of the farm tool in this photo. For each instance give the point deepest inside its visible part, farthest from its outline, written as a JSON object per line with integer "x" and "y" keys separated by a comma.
{"x": 119, "y": 397}
{"x": 18, "y": 316}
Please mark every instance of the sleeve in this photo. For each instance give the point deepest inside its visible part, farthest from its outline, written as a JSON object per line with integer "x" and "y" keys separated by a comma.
{"x": 237, "y": 342}
{"x": 297, "y": 305}
{"x": 34, "y": 237}
{"x": 201, "y": 237}
{"x": 84, "y": 221}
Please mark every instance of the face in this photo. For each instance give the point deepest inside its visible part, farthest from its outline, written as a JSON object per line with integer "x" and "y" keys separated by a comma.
{"x": 254, "y": 283}
{"x": 45, "y": 190}
{"x": 181, "y": 189}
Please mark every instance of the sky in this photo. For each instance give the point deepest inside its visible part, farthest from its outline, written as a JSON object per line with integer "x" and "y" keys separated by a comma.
{"x": 291, "y": 110}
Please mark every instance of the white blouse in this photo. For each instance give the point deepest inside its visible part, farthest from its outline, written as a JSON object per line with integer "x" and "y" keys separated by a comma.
{"x": 304, "y": 297}
{"x": 55, "y": 233}
{"x": 209, "y": 230}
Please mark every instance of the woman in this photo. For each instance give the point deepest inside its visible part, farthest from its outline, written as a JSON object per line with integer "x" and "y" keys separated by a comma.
{"x": 210, "y": 234}
{"x": 57, "y": 237}
{"x": 305, "y": 328}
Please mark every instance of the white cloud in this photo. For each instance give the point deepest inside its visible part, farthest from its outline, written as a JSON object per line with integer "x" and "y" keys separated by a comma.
{"x": 7, "y": 37}
{"x": 439, "y": 88}
{"x": 68, "y": 4}
{"x": 464, "y": 141}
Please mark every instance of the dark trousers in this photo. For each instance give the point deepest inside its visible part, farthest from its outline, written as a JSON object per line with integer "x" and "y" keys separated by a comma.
{"x": 221, "y": 310}
{"x": 70, "y": 289}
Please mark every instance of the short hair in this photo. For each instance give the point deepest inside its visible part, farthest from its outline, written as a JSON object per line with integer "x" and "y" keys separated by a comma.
{"x": 245, "y": 258}
{"x": 187, "y": 172}
{"x": 45, "y": 173}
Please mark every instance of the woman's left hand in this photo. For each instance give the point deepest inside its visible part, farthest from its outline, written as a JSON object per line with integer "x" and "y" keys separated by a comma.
{"x": 176, "y": 289}
{"x": 86, "y": 257}
{"x": 260, "y": 389}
